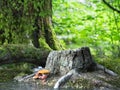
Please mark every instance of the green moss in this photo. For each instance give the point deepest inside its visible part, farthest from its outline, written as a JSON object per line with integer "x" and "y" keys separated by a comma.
{"x": 108, "y": 62}
{"x": 2, "y": 52}
{"x": 58, "y": 45}
{"x": 51, "y": 39}
{"x": 114, "y": 81}
{"x": 7, "y": 74}
{"x": 24, "y": 51}
{"x": 43, "y": 44}
{"x": 21, "y": 74}
{"x": 80, "y": 83}
{"x": 9, "y": 71}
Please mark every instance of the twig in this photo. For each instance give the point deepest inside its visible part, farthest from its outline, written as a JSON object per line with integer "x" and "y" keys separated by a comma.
{"x": 113, "y": 8}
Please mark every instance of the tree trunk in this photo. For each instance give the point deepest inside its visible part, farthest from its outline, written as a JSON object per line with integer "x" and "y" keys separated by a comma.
{"x": 26, "y": 21}
{"x": 43, "y": 26}
{"x": 23, "y": 53}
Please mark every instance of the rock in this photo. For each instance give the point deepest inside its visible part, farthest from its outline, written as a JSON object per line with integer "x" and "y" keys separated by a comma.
{"x": 37, "y": 69}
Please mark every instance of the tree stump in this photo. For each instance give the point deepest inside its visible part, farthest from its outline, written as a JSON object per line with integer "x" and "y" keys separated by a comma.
{"x": 61, "y": 62}
{"x": 70, "y": 62}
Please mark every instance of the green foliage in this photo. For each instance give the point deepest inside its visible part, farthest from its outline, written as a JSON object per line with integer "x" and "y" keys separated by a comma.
{"x": 89, "y": 23}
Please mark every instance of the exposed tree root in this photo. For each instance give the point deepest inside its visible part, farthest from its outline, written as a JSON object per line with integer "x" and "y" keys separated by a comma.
{"x": 66, "y": 77}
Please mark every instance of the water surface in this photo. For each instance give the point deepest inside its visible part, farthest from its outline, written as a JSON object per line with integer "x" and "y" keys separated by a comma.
{"x": 12, "y": 85}
{"x": 22, "y": 86}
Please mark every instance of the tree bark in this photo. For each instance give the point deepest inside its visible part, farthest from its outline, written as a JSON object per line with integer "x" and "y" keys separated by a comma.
{"x": 23, "y": 53}
{"x": 43, "y": 24}
{"x": 28, "y": 21}
{"x": 61, "y": 62}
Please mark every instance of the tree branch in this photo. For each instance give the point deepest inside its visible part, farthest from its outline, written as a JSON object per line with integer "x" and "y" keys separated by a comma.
{"x": 111, "y": 7}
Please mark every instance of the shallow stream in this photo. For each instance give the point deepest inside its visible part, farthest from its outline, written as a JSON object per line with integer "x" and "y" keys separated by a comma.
{"x": 25, "y": 86}
{"x": 22, "y": 86}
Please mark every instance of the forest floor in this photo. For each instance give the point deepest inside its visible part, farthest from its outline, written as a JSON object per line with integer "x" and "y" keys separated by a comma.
{"x": 97, "y": 80}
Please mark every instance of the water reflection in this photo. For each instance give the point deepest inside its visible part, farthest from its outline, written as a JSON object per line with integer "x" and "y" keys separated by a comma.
{"x": 33, "y": 86}
{"x": 22, "y": 86}
{"x": 26, "y": 86}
